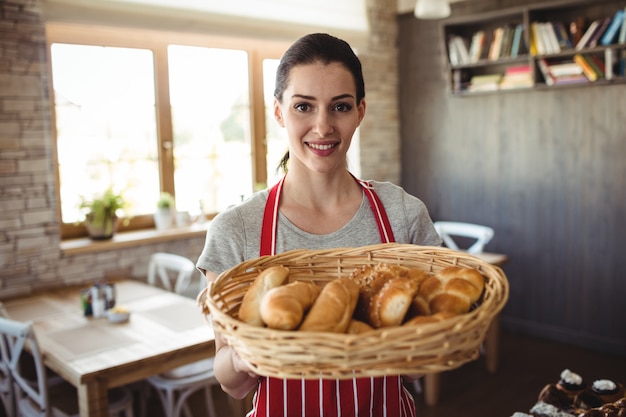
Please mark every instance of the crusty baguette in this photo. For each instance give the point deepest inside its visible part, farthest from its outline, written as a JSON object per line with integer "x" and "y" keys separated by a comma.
{"x": 250, "y": 308}
{"x": 333, "y": 309}
{"x": 284, "y": 307}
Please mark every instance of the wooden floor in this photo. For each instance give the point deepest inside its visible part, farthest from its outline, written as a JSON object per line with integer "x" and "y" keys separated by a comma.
{"x": 527, "y": 364}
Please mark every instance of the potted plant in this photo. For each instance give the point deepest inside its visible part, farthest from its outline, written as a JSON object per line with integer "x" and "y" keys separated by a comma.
{"x": 101, "y": 218}
{"x": 164, "y": 214}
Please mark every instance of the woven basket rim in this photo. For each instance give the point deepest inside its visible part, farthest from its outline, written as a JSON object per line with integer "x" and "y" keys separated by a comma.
{"x": 425, "y": 348}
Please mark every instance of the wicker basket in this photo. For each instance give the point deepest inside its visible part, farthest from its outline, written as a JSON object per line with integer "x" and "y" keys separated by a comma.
{"x": 427, "y": 348}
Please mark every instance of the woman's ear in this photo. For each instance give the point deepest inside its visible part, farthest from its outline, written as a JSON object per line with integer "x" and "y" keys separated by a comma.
{"x": 278, "y": 114}
{"x": 361, "y": 110}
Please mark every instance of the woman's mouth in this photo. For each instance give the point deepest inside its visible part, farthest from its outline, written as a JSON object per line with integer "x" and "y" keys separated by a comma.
{"x": 321, "y": 146}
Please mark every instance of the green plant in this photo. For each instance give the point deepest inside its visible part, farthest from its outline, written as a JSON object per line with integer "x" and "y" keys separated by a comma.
{"x": 166, "y": 200}
{"x": 101, "y": 211}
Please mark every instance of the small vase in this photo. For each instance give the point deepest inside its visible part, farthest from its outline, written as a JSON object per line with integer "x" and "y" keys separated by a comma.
{"x": 163, "y": 218}
{"x": 102, "y": 231}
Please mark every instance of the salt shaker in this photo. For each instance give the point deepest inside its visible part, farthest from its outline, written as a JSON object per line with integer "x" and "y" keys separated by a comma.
{"x": 98, "y": 301}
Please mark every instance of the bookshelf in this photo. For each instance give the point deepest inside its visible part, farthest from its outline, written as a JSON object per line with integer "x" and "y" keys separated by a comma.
{"x": 542, "y": 46}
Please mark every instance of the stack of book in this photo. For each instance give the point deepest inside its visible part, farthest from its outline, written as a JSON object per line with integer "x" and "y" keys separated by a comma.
{"x": 487, "y": 82}
{"x": 519, "y": 76}
{"x": 568, "y": 72}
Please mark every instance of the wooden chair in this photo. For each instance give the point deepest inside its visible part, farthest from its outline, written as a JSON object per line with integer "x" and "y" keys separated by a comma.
{"x": 470, "y": 238}
{"x": 176, "y": 386}
{"x": 37, "y": 398}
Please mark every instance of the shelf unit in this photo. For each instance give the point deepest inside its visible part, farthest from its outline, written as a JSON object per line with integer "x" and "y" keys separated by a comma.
{"x": 569, "y": 13}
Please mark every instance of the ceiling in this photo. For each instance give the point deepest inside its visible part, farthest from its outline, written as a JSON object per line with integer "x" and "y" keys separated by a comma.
{"x": 272, "y": 18}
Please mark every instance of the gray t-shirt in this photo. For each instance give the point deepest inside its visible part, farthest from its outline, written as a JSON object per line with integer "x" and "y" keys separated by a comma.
{"x": 234, "y": 235}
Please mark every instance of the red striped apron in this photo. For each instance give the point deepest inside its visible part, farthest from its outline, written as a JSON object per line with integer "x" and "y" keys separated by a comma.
{"x": 375, "y": 396}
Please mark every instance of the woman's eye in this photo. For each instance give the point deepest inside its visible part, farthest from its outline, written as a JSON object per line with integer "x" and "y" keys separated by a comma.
{"x": 302, "y": 107}
{"x": 343, "y": 107}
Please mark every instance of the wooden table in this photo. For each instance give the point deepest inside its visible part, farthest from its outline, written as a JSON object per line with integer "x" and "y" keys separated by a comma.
{"x": 165, "y": 331}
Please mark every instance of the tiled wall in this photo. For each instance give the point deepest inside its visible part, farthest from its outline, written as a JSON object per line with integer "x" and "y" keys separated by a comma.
{"x": 30, "y": 257}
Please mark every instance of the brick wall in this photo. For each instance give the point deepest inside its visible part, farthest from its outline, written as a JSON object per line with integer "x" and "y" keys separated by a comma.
{"x": 29, "y": 239}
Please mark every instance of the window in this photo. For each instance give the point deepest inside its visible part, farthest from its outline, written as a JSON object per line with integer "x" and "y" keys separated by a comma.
{"x": 145, "y": 112}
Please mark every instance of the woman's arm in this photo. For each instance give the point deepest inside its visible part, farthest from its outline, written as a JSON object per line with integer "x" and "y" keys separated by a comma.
{"x": 232, "y": 372}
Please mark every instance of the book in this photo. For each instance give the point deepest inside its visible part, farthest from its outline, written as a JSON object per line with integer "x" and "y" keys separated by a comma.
{"x": 486, "y": 82}
{"x": 622, "y": 32}
{"x": 517, "y": 40}
{"x": 595, "y": 38}
{"x": 453, "y": 54}
{"x": 571, "y": 79}
{"x": 476, "y": 46}
{"x": 576, "y": 30}
{"x": 584, "y": 40}
{"x": 565, "y": 69}
{"x": 535, "y": 29}
{"x": 587, "y": 69}
{"x": 612, "y": 31}
{"x": 545, "y": 71}
{"x": 608, "y": 58}
{"x": 597, "y": 64}
{"x": 461, "y": 47}
{"x": 564, "y": 41}
{"x": 507, "y": 41}
{"x": 496, "y": 44}
{"x": 551, "y": 40}
{"x": 517, "y": 76}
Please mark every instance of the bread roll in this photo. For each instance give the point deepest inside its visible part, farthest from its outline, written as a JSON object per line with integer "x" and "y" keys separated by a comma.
{"x": 333, "y": 308}
{"x": 435, "y": 318}
{"x": 358, "y": 327}
{"x": 250, "y": 308}
{"x": 390, "y": 304}
{"x": 370, "y": 280}
{"x": 284, "y": 307}
{"x": 452, "y": 289}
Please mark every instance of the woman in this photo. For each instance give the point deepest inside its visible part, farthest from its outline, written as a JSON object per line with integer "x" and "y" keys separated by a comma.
{"x": 318, "y": 204}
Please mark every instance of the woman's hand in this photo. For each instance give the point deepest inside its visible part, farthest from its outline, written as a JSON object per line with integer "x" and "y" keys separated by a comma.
{"x": 233, "y": 373}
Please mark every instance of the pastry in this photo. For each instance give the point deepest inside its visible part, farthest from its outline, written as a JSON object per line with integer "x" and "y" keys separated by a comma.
{"x": 250, "y": 308}
{"x": 283, "y": 307}
{"x": 333, "y": 308}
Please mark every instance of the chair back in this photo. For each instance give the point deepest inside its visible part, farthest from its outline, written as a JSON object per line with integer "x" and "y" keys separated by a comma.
{"x": 18, "y": 343}
{"x": 6, "y": 381}
{"x": 480, "y": 235}
{"x": 165, "y": 266}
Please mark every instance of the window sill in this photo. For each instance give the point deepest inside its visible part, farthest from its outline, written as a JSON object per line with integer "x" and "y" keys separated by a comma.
{"x": 131, "y": 239}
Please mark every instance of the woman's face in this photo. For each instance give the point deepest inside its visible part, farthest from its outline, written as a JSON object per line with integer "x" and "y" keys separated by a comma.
{"x": 320, "y": 112}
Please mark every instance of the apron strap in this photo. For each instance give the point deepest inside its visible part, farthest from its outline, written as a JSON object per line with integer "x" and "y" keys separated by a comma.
{"x": 270, "y": 216}
{"x": 270, "y": 220}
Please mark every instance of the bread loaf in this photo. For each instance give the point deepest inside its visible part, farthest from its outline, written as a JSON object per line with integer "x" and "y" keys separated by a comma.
{"x": 333, "y": 308}
{"x": 284, "y": 307}
{"x": 250, "y": 308}
{"x": 452, "y": 289}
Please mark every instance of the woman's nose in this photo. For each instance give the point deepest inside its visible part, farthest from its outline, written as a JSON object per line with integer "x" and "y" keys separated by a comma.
{"x": 322, "y": 123}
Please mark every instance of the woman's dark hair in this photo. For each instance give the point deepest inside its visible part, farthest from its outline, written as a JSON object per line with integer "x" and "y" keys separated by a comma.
{"x": 317, "y": 47}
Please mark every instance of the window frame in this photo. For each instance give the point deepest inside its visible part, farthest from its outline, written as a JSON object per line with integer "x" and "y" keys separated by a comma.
{"x": 157, "y": 41}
